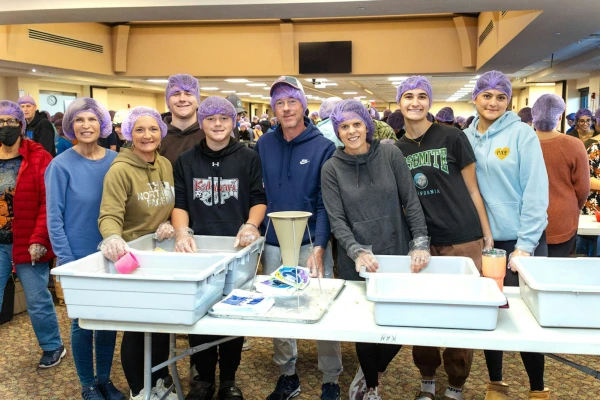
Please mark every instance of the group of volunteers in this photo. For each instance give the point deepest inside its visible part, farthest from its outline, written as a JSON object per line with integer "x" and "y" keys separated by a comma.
{"x": 436, "y": 191}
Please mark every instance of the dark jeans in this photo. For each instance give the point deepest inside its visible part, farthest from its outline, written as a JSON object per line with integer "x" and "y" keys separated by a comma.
{"x": 534, "y": 362}
{"x": 228, "y": 354}
{"x": 561, "y": 249}
{"x": 84, "y": 343}
{"x": 374, "y": 358}
{"x": 132, "y": 358}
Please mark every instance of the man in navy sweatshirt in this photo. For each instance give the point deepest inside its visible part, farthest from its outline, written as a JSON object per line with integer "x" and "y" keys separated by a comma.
{"x": 292, "y": 156}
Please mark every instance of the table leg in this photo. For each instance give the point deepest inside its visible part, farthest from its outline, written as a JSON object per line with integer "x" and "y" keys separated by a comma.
{"x": 174, "y": 372}
{"x": 147, "y": 365}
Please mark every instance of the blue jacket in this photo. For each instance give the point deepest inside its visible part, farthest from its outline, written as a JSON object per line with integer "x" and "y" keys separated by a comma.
{"x": 326, "y": 128}
{"x": 512, "y": 179}
{"x": 292, "y": 178}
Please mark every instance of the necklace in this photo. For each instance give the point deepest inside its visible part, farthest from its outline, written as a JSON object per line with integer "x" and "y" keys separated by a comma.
{"x": 414, "y": 141}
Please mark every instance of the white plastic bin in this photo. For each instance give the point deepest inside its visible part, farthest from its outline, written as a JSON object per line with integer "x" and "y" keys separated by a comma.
{"x": 561, "y": 292}
{"x": 437, "y": 265}
{"x": 239, "y": 273}
{"x": 435, "y": 301}
{"x": 167, "y": 288}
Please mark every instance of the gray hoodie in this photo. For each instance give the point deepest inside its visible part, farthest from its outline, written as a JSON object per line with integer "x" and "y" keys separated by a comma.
{"x": 371, "y": 201}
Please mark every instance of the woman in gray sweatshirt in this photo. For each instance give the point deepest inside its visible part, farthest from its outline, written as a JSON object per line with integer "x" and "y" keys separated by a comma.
{"x": 373, "y": 208}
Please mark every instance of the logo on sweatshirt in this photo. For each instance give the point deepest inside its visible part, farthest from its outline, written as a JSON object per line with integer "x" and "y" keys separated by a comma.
{"x": 205, "y": 188}
{"x": 502, "y": 153}
{"x": 304, "y": 161}
{"x": 421, "y": 180}
{"x": 158, "y": 194}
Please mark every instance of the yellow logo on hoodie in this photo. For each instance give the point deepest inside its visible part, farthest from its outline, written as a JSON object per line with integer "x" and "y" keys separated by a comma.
{"x": 502, "y": 153}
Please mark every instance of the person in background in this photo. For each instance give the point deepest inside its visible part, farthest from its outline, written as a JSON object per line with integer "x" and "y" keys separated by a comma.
{"x": 292, "y": 156}
{"x": 457, "y": 226}
{"x": 257, "y": 132}
{"x": 314, "y": 117}
{"x": 459, "y": 122}
{"x": 396, "y": 121}
{"x": 386, "y": 113}
{"x": 264, "y": 122}
{"x": 468, "y": 122}
{"x": 571, "y": 122}
{"x": 273, "y": 122}
{"x": 374, "y": 113}
{"x": 137, "y": 199}
{"x": 583, "y": 128}
{"x": 382, "y": 130}
{"x": 514, "y": 184}
{"x": 24, "y": 243}
{"x": 117, "y": 120}
{"x": 73, "y": 179}
{"x": 597, "y": 124}
{"x": 215, "y": 213}
{"x": 255, "y": 121}
{"x": 525, "y": 115}
{"x": 241, "y": 113}
{"x": 62, "y": 142}
{"x": 363, "y": 228}
{"x": 245, "y": 133}
{"x": 39, "y": 128}
{"x": 182, "y": 96}
{"x": 444, "y": 116}
{"x": 325, "y": 126}
{"x": 567, "y": 165}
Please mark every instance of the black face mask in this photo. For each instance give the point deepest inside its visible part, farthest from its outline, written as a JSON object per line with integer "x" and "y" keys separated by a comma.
{"x": 9, "y": 135}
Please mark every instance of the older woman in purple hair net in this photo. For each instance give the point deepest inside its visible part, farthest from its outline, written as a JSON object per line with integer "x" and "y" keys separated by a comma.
{"x": 73, "y": 194}
{"x": 137, "y": 199}
{"x": 365, "y": 169}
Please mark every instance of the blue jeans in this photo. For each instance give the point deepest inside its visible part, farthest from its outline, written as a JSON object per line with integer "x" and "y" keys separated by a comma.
{"x": 40, "y": 306}
{"x": 583, "y": 245}
{"x": 83, "y": 343}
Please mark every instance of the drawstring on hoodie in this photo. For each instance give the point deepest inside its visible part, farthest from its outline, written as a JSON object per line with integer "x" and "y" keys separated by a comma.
{"x": 289, "y": 161}
{"x": 216, "y": 173}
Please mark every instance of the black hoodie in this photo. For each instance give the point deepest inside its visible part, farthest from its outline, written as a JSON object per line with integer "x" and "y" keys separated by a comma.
{"x": 218, "y": 188}
{"x": 40, "y": 130}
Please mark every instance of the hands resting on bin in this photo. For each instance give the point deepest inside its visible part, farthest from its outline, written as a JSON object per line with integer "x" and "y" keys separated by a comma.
{"x": 418, "y": 252}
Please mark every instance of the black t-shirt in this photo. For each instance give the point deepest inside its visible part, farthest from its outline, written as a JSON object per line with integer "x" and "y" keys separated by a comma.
{"x": 436, "y": 166}
{"x": 106, "y": 142}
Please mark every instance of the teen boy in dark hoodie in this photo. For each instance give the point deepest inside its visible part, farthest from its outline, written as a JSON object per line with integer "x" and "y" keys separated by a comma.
{"x": 218, "y": 192}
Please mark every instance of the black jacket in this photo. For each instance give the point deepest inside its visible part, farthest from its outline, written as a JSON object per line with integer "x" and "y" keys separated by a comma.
{"x": 218, "y": 188}
{"x": 41, "y": 130}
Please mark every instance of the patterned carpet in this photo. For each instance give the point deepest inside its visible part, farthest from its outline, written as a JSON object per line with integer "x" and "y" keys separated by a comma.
{"x": 21, "y": 379}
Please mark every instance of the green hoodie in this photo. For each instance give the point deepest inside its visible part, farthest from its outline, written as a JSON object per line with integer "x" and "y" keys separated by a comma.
{"x": 137, "y": 196}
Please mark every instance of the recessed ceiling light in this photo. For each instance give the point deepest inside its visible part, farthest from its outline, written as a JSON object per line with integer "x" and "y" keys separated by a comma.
{"x": 469, "y": 85}
{"x": 350, "y": 93}
{"x": 256, "y": 95}
{"x": 397, "y": 78}
{"x": 266, "y": 97}
{"x": 320, "y": 86}
{"x": 256, "y": 84}
{"x": 237, "y": 80}
{"x": 360, "y": 97}
{"x": 227, "y": 91}
{"x": 372, "y": 101}
{"x": 33, "y": 70}
{"x": 473, "y": 81}
{"x": 329, "y": 84}
{"x": 478, "y": 76}
{"x": 210, "y": 88}
{"x": 157, "y": 80}
{"x": 243, "y": 94}
{"x": 266, "y": 88}
{"x": 545, "y": 84}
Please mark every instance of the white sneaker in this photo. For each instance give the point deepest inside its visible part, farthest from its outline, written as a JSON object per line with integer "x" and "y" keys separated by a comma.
{"x": 140, "y": 396}
{"x": 372, "y": 395}
{"x": 159, "y": 391}
{"x": 191, "y": 375}
{"x": 358, "y": 387}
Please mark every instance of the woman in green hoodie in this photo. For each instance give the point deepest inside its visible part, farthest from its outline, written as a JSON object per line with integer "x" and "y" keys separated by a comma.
{"x": 137, "y": 199}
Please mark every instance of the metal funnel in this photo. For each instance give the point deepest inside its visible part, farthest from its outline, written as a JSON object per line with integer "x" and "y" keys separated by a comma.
{"x": 289, "y": 227}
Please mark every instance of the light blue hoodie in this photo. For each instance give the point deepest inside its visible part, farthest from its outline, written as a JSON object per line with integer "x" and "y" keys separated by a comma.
{"x": 326, "y": 128}
{"x": 512, "y": 179}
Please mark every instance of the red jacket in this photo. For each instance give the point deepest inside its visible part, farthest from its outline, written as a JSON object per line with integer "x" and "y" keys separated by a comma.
{"x": 29, "y": 207}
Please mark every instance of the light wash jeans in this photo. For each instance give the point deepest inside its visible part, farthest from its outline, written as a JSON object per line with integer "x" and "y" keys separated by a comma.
{"x": 285, "y": 351}
{"x": 40, "y": 306}
{"x": 83, "y": 343}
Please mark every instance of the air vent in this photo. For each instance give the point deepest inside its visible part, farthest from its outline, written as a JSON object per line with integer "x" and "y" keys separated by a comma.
{"x": 65, "y": 41}
{"x": 503, "y": 13}
{"x": 486, "y": 32}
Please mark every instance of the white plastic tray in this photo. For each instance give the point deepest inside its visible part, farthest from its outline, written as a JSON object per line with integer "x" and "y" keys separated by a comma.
{"x": 435, "y": 301}
{"x": 239, "y": 272}
{"x": 437, "y": 265}
{"x": 561, "y": 292}
{"x": 170, "y": 288}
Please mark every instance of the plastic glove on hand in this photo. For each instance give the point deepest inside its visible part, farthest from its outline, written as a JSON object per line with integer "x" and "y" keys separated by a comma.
{"x": 247, "y": 234}
{"x": 419, "y": 260}
{"x": 366, "y": 259}
{"x": 516, "y": 253}
{"x": 315, "y": 262}
{"x": 164, "y": 231}
{"x": 184, "y": 241}
{"x": 114, "y": 247}
{"x": 36, "y": 251}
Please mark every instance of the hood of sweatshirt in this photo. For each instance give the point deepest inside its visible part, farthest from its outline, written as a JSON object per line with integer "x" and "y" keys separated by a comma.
{"x": 127, "y": 156}
{"x": 361, "y": 159}
{"x": 36, "y": 119}
{"x": 173, "y": 130}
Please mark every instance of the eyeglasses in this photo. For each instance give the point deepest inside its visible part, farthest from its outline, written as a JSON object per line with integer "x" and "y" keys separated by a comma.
{"x": 585, "y": 121}
{"x": 9, "y": 122}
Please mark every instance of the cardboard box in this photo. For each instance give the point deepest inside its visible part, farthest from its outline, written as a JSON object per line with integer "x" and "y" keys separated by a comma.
{"x": 20, "y": 304}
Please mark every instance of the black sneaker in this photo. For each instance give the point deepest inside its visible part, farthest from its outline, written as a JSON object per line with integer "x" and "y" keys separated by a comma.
{"x": 91, "y": 393}
{"x": 110, "y": 392}
{"x": 203, "y": 391}
{"x": 288, "y": 386}
{"x": 52, "y": 358}
{"x": 330, "y": 391}
{"x": 230, "y": 393}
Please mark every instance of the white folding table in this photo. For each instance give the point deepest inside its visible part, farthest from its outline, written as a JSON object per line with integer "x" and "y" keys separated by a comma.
{"x": 517, "y": 330}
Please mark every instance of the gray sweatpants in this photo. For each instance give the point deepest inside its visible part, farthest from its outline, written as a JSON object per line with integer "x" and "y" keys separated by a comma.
{"x": 285, "y": 351}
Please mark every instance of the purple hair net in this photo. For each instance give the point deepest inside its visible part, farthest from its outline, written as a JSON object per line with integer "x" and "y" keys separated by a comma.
{"x": 265, "y": 116}
{"x": 584, "y": 112}
{"x": 493, "y": 80}
{"x": 446, "y": 114}
{"x": 274, "y": 119}
{"x": 84, "y": 104}
{"x": 374, "y": 113}
{"x": 396, "y": 120}
{"x": 129, "y": 121}
{"x": 525, "y": 114}
{"x": 8, "y": 107}
{"x": 314, "y": 114}
{"x": 460, "y": 120}
{"x": 545, "y": 112}
{"x": 430, "y": 117}
{"x": 349, "y": 109}
{"x": 183, "y": 82}
{"x": 283, "y": 91}
{"x": 415, "y": 82}
{"x": 597, "y": 116}
{"x": 27, "y": 99}
{"x": 217, "y": 105}
{"x": 258, "y": 128}
{"x": 327, "y": 106}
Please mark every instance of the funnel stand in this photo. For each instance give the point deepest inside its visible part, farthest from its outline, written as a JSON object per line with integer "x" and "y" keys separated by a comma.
{"x": 262, "y": 249}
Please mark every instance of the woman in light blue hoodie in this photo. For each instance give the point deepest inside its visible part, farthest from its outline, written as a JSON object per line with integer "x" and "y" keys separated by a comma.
{"x": 514, "y": 184}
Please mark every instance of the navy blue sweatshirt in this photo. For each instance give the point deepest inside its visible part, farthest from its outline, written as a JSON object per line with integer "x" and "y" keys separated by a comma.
{"x": 292, "y": 178}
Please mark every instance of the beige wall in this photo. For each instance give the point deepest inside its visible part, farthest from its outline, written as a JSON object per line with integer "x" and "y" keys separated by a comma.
{"x": 126, "y": 98}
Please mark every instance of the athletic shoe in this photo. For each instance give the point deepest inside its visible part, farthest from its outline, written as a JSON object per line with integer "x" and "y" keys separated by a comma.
{"x": 246, "y": 345}
{"x": 330, "y": 391}
{"x": 91, "y": 393}
{"x": 52, "y": 358}
{"x": 202, "y": 391}
{"x": 160, "y": 389}
{"x": 372, "y": 395}
{"x": 110, "y": 392}
{"x": 358, "y": 387}
{"x": 230, "y": 393}
{"x": 288, "y": 386}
